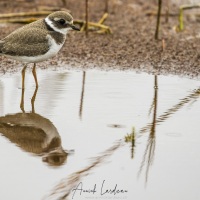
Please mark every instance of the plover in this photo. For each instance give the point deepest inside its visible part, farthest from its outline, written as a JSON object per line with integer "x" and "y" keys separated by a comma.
{"x": 35, "y": 134}
{"x": 38, "y": 41}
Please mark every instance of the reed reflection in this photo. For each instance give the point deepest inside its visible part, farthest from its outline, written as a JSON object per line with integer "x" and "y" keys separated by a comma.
{"x": 82, "y": 95}
{"x": 191, "y": 98}
{"x": 34, "y": 133}
{"x": 151, "y": 143}
{"x": 150, "y": 149}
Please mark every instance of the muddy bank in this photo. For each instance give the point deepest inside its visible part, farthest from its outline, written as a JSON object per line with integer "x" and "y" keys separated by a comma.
{"x": 130, "y": 47}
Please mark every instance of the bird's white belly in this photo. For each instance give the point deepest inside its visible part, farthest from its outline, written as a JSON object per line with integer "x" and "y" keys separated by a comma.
{"x": 53, "y": 50}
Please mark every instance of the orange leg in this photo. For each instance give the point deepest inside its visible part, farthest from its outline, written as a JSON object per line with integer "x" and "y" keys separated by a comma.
{"x": 33, "y": 100}
{"x": 23, "y": 88}
{"x": 35, "y": 75}
{"x": 22, "y": 101}
{"x": 23, "y": 76}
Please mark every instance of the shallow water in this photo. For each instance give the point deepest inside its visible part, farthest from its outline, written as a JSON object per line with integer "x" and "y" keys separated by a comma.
{"x": 137, "y": 131}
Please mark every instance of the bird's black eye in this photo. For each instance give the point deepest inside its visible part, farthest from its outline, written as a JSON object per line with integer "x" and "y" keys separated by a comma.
{"x": 61, "y": 21}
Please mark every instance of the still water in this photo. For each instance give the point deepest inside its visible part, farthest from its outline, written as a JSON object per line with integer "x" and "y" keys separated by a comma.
{"x": 110, "y": 135}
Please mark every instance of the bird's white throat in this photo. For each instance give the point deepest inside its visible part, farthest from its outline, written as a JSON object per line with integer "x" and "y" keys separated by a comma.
{"x": 50, "y": 23}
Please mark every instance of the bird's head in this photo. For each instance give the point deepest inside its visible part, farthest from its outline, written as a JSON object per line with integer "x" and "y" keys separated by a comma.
{"x": 55, "y": 157}
{"x": 61, "y": 21}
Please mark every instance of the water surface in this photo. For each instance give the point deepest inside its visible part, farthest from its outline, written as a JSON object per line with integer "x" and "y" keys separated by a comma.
{"x": 137, "y": 131}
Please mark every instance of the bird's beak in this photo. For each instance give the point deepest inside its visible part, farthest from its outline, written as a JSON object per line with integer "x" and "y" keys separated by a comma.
{"x": 74, "y": 27}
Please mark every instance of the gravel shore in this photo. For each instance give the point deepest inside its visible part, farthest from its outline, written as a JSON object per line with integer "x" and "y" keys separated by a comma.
{"x": 131, "y": 46}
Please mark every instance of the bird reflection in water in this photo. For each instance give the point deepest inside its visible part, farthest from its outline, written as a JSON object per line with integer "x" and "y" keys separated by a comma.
{"x": 34, "y": 133}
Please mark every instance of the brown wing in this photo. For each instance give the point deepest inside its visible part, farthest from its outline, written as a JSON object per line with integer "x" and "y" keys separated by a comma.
{"x": 29, "y": 138}
{"x": 25, "y": 42}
